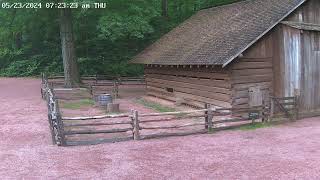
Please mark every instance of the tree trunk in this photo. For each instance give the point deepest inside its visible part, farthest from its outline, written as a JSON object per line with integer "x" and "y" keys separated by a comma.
{"x": 71, "y": 72}
{"x": 18, "y": 40}
{"x": 165, "y": 8}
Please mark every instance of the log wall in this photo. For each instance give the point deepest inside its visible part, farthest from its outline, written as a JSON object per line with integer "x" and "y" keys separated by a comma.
{"x": 252, "y": 69}
{"x": 190, "y": 85}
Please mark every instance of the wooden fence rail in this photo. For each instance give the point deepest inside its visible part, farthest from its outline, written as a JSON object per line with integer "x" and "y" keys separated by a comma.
{"x": 134, "y": 122}
{"x": 137, "y": 124}
{"x": 97, "y": 82}
{"x": 289, "y": 106}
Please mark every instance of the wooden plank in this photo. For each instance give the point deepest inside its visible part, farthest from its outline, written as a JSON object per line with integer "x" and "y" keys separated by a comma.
{"x": 186, "y": 97}
{"x": 204, "y": 82}
{"x": 173, "y": 113}
{"x": 159, "y": 135}
{"x": 198, "y": 74}
{"x": 98, "y": 131}
{"x": 255, "y": 96}
{"x": 239, "y": 101}
{"x": 171, "y": 119}
{"x": 217, "y": 96}
{"x": 250, "y": 72}
{"x": 252, "y": 65}
{"x": 165, "y": 84}
{"x": 96, "y": 124}
{"x": 262, "y": 85}
{"x": 252, "y": 79}
{"x": 95, "y": 117}
{"x": 215, "y": 69}
{"x": 231, "y": 120}
{"x": 173, "y": 127}
{"x": 97, "y": 141}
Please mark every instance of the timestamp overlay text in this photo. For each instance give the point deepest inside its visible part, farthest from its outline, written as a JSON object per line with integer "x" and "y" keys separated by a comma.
{"x": 52, "y": 5}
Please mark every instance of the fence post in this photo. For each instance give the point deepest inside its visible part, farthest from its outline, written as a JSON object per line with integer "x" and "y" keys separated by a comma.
{"x": 60, "y": 125}
{"x": 263, "y": 113}
{"x": 115, "y": 89}
{"x": 271, "y": 108}
{"x": 50, "y": 119}
{"x": 210, "y": 117}
{"x": 206, "y": 115}
{"x": 296, "y": 107}
{"x": 136, "y": 128}
{"x": 90, "y": 89}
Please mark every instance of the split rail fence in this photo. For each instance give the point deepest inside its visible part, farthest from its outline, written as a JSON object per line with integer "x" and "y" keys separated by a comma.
{"x": 100, "y": 84}
{"x": 134, "y": 123}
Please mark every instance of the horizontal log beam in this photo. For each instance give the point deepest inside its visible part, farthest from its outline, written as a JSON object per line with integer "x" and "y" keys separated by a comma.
{"x": 171, "y": 119}
{"x": 97, "y": 132}
{"x": 95, "y": 117}
{"x": 97, "y": 124}
{"x": 173, "y": 113}
{"x": 174, "y": 134}
{"x": 173, "y": 127}
{"x": 231, "y": 120}
{"x": 97, "y": 141}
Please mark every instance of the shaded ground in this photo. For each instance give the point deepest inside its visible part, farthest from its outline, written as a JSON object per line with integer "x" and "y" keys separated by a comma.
{"x": 289, "y": 151}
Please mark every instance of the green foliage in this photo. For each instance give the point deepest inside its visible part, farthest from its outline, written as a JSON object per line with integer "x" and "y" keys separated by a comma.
{"x": 105, "y": 39}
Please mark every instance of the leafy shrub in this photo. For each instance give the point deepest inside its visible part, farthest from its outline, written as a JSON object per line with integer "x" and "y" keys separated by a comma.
{"x": 21, "y": 68}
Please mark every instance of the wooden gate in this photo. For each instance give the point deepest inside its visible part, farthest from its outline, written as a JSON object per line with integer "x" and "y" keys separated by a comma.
{"x": 285, "y": 106}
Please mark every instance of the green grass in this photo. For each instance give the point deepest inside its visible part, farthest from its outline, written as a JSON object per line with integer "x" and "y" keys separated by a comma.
{"x": 155, "y": 106}
{"x": 78, "y": 104}
{"x": 255, "y": 126}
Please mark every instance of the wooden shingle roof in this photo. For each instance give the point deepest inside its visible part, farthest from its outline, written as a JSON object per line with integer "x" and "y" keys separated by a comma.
{"x": 216, "y": 36}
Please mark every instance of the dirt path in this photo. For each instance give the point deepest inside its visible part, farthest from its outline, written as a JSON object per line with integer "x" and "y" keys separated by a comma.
{"x": 282, "y": 152}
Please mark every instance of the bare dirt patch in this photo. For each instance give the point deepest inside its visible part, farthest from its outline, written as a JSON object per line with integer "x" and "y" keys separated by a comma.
{"x": 290, "y": 151}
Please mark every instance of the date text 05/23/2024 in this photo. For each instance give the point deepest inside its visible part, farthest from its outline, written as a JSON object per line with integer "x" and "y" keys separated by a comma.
{"x": 52, "y": 5}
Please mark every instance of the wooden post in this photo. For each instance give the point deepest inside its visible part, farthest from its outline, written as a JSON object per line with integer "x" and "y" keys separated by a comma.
{"x": 115, "y": 89}
{"x": 60, "y": 125}
{"x": 271, "y": 108}
{"x": 61, "y": 136}
{"x": 90, "y": 89}
{"x": 263, "y": 113}
{"x": 206, "y": 115}
{"x": 296, "y": 107}
{"x": 210, "y": 117}
{"x": 51, "y": 129}
{"x": 136, "y": 128}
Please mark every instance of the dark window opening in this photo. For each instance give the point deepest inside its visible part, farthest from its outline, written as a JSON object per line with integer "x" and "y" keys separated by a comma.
{"x": 170, "y": 90}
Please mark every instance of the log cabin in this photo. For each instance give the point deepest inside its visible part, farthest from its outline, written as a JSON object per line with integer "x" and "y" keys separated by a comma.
{"x": 219, "y": 53}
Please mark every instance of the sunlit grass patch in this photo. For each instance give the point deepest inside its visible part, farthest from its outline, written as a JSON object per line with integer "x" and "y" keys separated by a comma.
{"x": 254, "y": 126}
{"x": 155, "y": 106}
{"x": 77, "y": 104}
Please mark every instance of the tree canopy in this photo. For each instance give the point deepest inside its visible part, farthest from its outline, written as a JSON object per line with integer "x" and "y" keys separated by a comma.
{"x": 105, "y": 39}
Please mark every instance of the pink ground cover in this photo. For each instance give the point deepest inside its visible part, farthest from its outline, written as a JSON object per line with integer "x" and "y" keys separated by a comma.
{"x": 289, "y": 151}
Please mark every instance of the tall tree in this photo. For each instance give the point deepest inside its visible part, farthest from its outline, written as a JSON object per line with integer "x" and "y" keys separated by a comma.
{"x": 165, "y": 8}
{"x": 71, "y": 71}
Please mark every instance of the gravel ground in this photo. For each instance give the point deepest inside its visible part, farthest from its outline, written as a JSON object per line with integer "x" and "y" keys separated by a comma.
{"x": 289, "y": 151}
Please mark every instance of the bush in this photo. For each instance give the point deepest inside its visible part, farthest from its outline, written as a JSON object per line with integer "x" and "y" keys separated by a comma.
{"x": 21, "y": 68}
